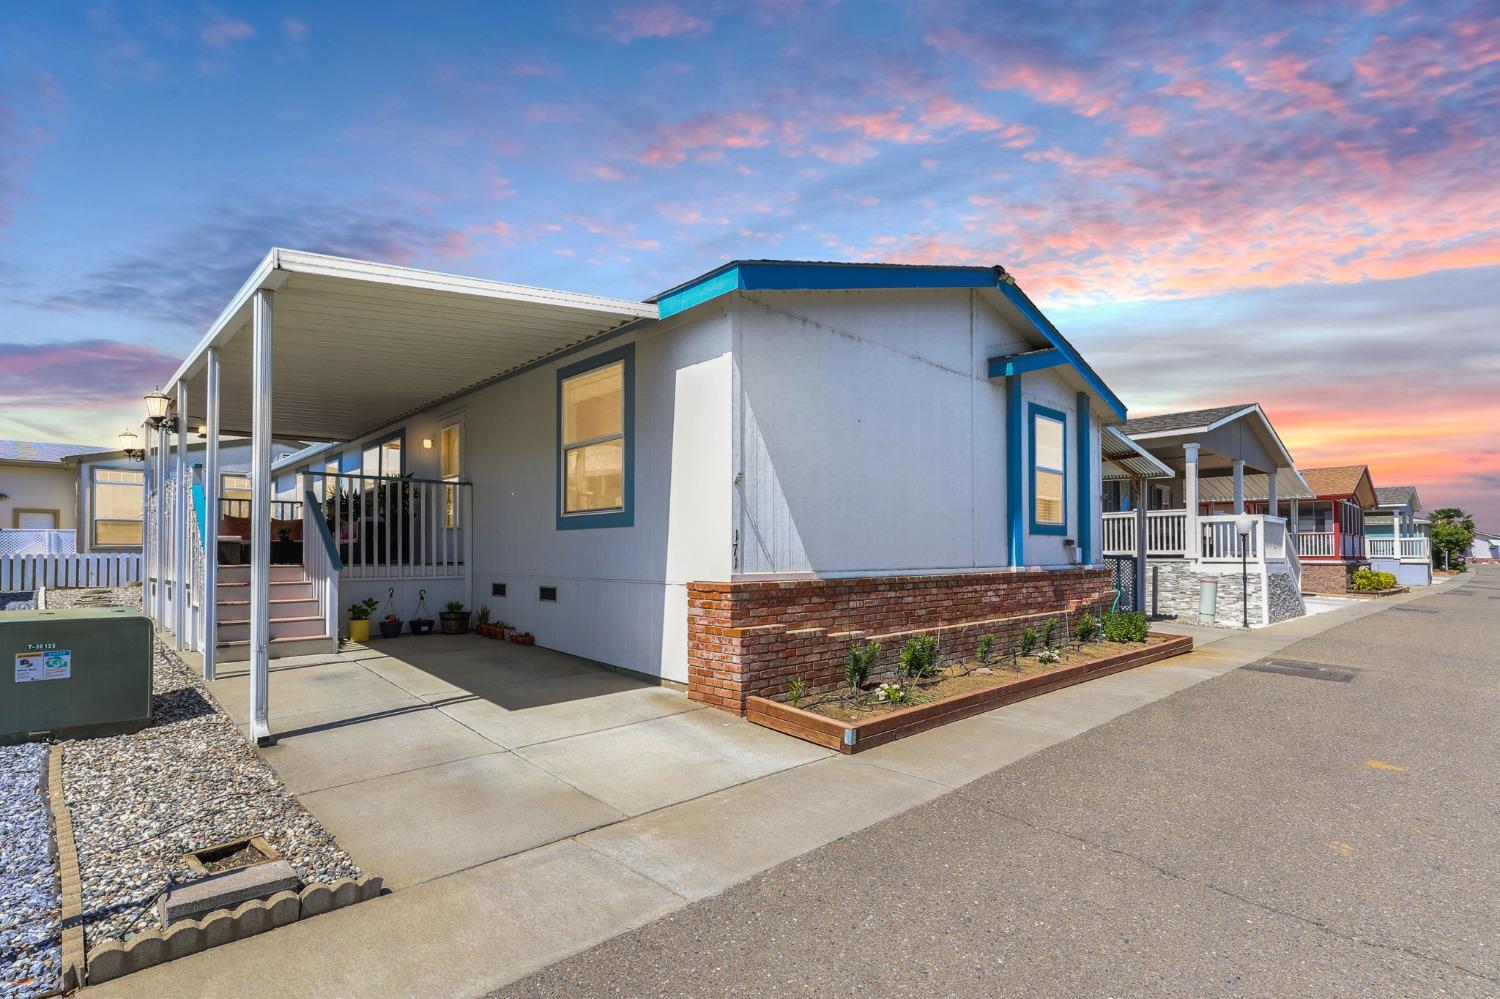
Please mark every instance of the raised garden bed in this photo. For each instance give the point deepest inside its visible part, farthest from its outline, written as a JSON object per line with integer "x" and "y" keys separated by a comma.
{"x": 838, "y": 724}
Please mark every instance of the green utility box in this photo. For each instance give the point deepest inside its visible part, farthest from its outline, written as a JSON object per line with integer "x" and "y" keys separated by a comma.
{"x": 73, "y": 673}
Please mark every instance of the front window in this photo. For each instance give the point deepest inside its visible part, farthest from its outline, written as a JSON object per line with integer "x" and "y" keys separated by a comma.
{"x": 594, "y": 430}
{"x": 450, "y": 466}
{"x": 1048, "y": 471}
{"x": 383, "y": 459}
{"x": 118, "y": 499}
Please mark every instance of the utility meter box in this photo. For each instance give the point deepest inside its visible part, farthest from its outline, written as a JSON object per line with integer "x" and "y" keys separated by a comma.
{"x": 70, "y": 673}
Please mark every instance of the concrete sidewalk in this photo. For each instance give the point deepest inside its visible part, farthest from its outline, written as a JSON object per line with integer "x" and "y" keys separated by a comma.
{"x": 475, "y": 929}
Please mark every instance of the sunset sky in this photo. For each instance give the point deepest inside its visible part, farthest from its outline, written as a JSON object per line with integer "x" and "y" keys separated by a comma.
{"x": 1291, "y": 204}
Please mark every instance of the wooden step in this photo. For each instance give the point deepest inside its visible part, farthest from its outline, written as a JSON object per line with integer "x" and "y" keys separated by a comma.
{"x": 241, "y": 573}
{"x": 281, "y": 609}
{"x": 310, "y": 626}
{"x": 281, "y": 589}
{"x": 278, "y": 648}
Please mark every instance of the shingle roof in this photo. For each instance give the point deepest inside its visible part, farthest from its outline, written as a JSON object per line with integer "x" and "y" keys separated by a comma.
{"x": 1183, "y": 421}
{"x": 43, "y": 451}
{"x": 1395, "y": 495}
{"x": 1337, "y": 480}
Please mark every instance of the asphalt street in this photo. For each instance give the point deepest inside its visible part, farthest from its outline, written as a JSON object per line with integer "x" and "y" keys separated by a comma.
{"x": 1299, "y": 832}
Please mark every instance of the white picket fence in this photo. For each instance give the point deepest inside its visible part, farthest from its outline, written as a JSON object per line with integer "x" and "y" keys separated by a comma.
{"x": 27, "y": 572}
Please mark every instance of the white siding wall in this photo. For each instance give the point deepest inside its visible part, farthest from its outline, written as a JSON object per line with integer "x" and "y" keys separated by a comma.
{"x": 870, "y": 439}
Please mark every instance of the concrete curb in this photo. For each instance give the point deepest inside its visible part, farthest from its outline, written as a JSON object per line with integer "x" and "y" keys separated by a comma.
{"x": 73, "y": 959}
{"x": 115, "y": 958}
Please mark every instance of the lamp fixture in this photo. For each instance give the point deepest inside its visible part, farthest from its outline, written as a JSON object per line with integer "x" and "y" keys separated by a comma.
{"x": 157, "y": 405}
{"x": 427, "y": 443}
{"x": 202, "y": 431}
{"x": 129, "y": 445}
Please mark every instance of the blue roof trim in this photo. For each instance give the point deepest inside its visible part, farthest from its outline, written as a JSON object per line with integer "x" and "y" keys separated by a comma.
{"x": 1032, "y": 360}
{"x": 1046, "y": 329}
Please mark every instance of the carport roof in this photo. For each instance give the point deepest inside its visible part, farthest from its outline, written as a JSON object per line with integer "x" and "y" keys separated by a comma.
{"x": 1124, "y": 458}
{"x": 359, "y": 345}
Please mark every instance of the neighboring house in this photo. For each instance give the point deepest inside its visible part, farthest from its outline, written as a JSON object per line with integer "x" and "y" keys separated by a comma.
{"x": 1485, "y": 547}
{"x": 740, "y": 473}
{"x": 1331, "y": 528}
{"x": 40, "y": 498}
{"x": 1175, "y": 527}
{"x": 1396, "y": 536}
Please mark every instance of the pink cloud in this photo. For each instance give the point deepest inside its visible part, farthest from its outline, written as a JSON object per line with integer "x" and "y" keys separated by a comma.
{"x": 226, "y": 30}
{"x": 707, "y": 136}
{"x": 295, "y": 29}
{"x": 661, "y": 20}
{"x": 95, "y": 371}
{"x": 607, "y": 171}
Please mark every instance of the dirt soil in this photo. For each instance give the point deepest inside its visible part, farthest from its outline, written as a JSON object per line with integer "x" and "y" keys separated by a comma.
{"x": 962, "y": 678}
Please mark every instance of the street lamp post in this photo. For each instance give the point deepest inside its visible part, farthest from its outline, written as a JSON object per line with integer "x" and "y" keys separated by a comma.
{"x": 1243, "y": 525}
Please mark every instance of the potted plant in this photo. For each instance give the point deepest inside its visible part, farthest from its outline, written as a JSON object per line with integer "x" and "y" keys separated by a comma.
{"x": 359, "y": 619}
{"x": 525, "y": 638}
{"x": 455, "y": 619}
{"x": 421, "y": 622}
{"x": 484, "y": 622}
{"x": 390, "y": 626}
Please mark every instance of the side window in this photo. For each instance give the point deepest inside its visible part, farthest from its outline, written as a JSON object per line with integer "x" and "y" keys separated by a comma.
{"x": 595, "y": 447}
{"x": 118, "y": 501}
{"x": 450, "y": 469}
{"x": 1048, "y": 471}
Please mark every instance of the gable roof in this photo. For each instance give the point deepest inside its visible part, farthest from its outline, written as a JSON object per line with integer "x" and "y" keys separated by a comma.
{"x": 830, "y": 275}
{"x": 43, "y": 452}
{"x": 1397, "y": 496}
{"x": 1194, "y": 419}
{"x": 1340, "y": 480}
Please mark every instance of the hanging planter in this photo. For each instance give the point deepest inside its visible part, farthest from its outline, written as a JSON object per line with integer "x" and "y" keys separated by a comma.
{"x": 421, "y": 622}
{"x": 390, "y": 621}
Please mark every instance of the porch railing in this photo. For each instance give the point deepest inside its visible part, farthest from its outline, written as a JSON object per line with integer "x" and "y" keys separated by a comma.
{"x": 1166, "y": 533}
{"x": 1327, "y": 544}
{"x": 280, "y": 509}
{"x": 386, "y": 527}
{"x": 1222, "y": 541}
{"x": 1413, "y": 549}
{"x": 320, "y": 559}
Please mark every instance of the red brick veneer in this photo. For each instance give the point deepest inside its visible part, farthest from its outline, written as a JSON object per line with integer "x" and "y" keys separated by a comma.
{"x": 1329, "y": 577}
{"x": 755, "y": 637}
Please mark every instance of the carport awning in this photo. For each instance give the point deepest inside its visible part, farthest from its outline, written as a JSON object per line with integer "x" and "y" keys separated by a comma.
{"x": 1123, "y": 458}
{"x": 358, "y": 345}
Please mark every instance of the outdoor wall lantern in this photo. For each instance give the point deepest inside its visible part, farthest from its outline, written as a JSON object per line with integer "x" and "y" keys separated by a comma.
{"x": 1243, "y": 525}
{"x": 203, "y": 431}
{"x": 157, "y": 405}
{"x": 427, "y": 443}
{"x": 129, "y": 440}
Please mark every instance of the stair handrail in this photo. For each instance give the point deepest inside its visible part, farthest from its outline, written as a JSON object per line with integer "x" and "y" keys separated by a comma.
{"x": 320, "y": 558}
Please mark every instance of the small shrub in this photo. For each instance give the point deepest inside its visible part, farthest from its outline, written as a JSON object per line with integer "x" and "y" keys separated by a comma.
{"x": 1367, "y": 579}
{"x": 1087, "y": 630}
{"x": 891, "y": 693}
{"x": 919, "y": 657}
{"x": 857, "y": 666}
{"x": 1049, "y": 657}
{"x": 362, "y": 610}
{"x": 1049, "y": 633}
{"x": 797, "y": 691}
{"x": 986, "y": 647}
{"x": 1028, "y": 641}
{"x": 1125, "y": 626}
{"x": 454, "y": 606}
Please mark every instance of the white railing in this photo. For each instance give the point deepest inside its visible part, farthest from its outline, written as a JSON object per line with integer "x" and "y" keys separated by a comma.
{"x": 1221, "y": 540}
{"x": 320, "y": 558}
{"x": 27, "y": 572}
{"x": 1315, "y": 544}
{"x": 280, "y": 509}
{"x": 386, "y": 527}
{"x": 37, "y": 541}
{"x": 1413, "y": 549}
{"x": 1166, "y": 533}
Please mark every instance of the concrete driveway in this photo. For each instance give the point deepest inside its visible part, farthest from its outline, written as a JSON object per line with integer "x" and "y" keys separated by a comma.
{"x": 425, "y": 756}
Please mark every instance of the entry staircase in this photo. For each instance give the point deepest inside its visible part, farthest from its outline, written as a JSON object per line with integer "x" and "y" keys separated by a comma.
{"x": 298, "y": 625}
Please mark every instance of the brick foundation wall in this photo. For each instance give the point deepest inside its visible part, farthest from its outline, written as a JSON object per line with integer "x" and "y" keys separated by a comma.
{"x": 755, "y": 637}
{"x": 1328, "y": 577}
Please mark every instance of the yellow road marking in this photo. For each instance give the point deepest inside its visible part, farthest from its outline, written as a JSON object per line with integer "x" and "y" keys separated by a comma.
{"x": 1342, "y": 848}
{"x": 1382, "y": 765}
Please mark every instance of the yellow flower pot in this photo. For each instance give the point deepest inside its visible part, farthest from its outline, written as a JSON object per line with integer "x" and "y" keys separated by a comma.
{"x": 359, "y": 631}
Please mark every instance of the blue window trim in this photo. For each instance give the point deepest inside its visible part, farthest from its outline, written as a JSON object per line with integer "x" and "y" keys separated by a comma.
{"x": 1085, "y": 479}
{"x": 624, "y": 517}
{"x": 1034, "y": 410}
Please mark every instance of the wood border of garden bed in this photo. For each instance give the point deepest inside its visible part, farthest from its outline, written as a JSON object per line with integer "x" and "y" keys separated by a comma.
{"x": 853, "y": 737}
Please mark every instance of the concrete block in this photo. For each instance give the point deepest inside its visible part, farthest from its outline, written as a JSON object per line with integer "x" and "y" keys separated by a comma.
{"x": 107, "y": 961}
{"x": 285, "y": 908}
{"x": 218, "y": 928}
{"x": 227, "y": 890}
{"x": 345, "y": 892}
{"x": 369, "y": 887}
{"x": 251, "y": 918}
{"x": 145, "y": 951}
{"x": 183, "y": 939}
{"x": 316, "y": 900}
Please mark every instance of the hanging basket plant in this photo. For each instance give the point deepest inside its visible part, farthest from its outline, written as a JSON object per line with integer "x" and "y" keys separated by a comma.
{"x": 421, "y": 621}
{"x": 390, "y": 620}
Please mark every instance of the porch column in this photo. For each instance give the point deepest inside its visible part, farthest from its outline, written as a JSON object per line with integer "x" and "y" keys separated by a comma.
{"x": 179, "y": 524}
{"x": 1140, "y": 542}
{"x": 211, "y": 522}
{"x": 163, "y": 553}
{"x": 148, "y": 543}
{"x": 1194, "y": 535}
{"x": 1273, "y": 501}
{"x": 1293, "y": 519}
{"x": 1239, "y": 486}
{"x": 260, "y": 520}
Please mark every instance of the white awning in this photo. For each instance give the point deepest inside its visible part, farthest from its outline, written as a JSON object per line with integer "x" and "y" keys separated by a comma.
{"x": 358, "y": 345}
{"x": 1123, "y": 458}
{"x": 1220, "y": 488}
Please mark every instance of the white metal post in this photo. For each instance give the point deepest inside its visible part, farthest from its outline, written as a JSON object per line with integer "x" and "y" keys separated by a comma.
{"x": 1272, "y": 499}
{"x": 260, "y": 520}
{"x": 179, "y": 525}
{"x": 162, "y": 553}
{"x": 1190, "y": 500}
{"x": 211, "y": 516}
{"x": 148, "y": 542}
{"x": 1239, "y": 486}
{"x": 1140, "y": 485}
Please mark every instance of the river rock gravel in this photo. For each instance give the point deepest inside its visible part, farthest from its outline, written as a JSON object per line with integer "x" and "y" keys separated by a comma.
{"x": 30, "y": 899}
{"x": 141, "y": 802}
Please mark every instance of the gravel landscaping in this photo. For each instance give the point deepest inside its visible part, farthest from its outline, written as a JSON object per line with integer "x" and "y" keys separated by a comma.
{"x": 30, "y": 899}
{"x": 140, "y": 802}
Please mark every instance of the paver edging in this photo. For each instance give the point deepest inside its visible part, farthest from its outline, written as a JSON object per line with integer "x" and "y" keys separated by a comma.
{"x": 70, "y": 887}
{"x": 831, "y": 733}
{"x": 115, "y": 958}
